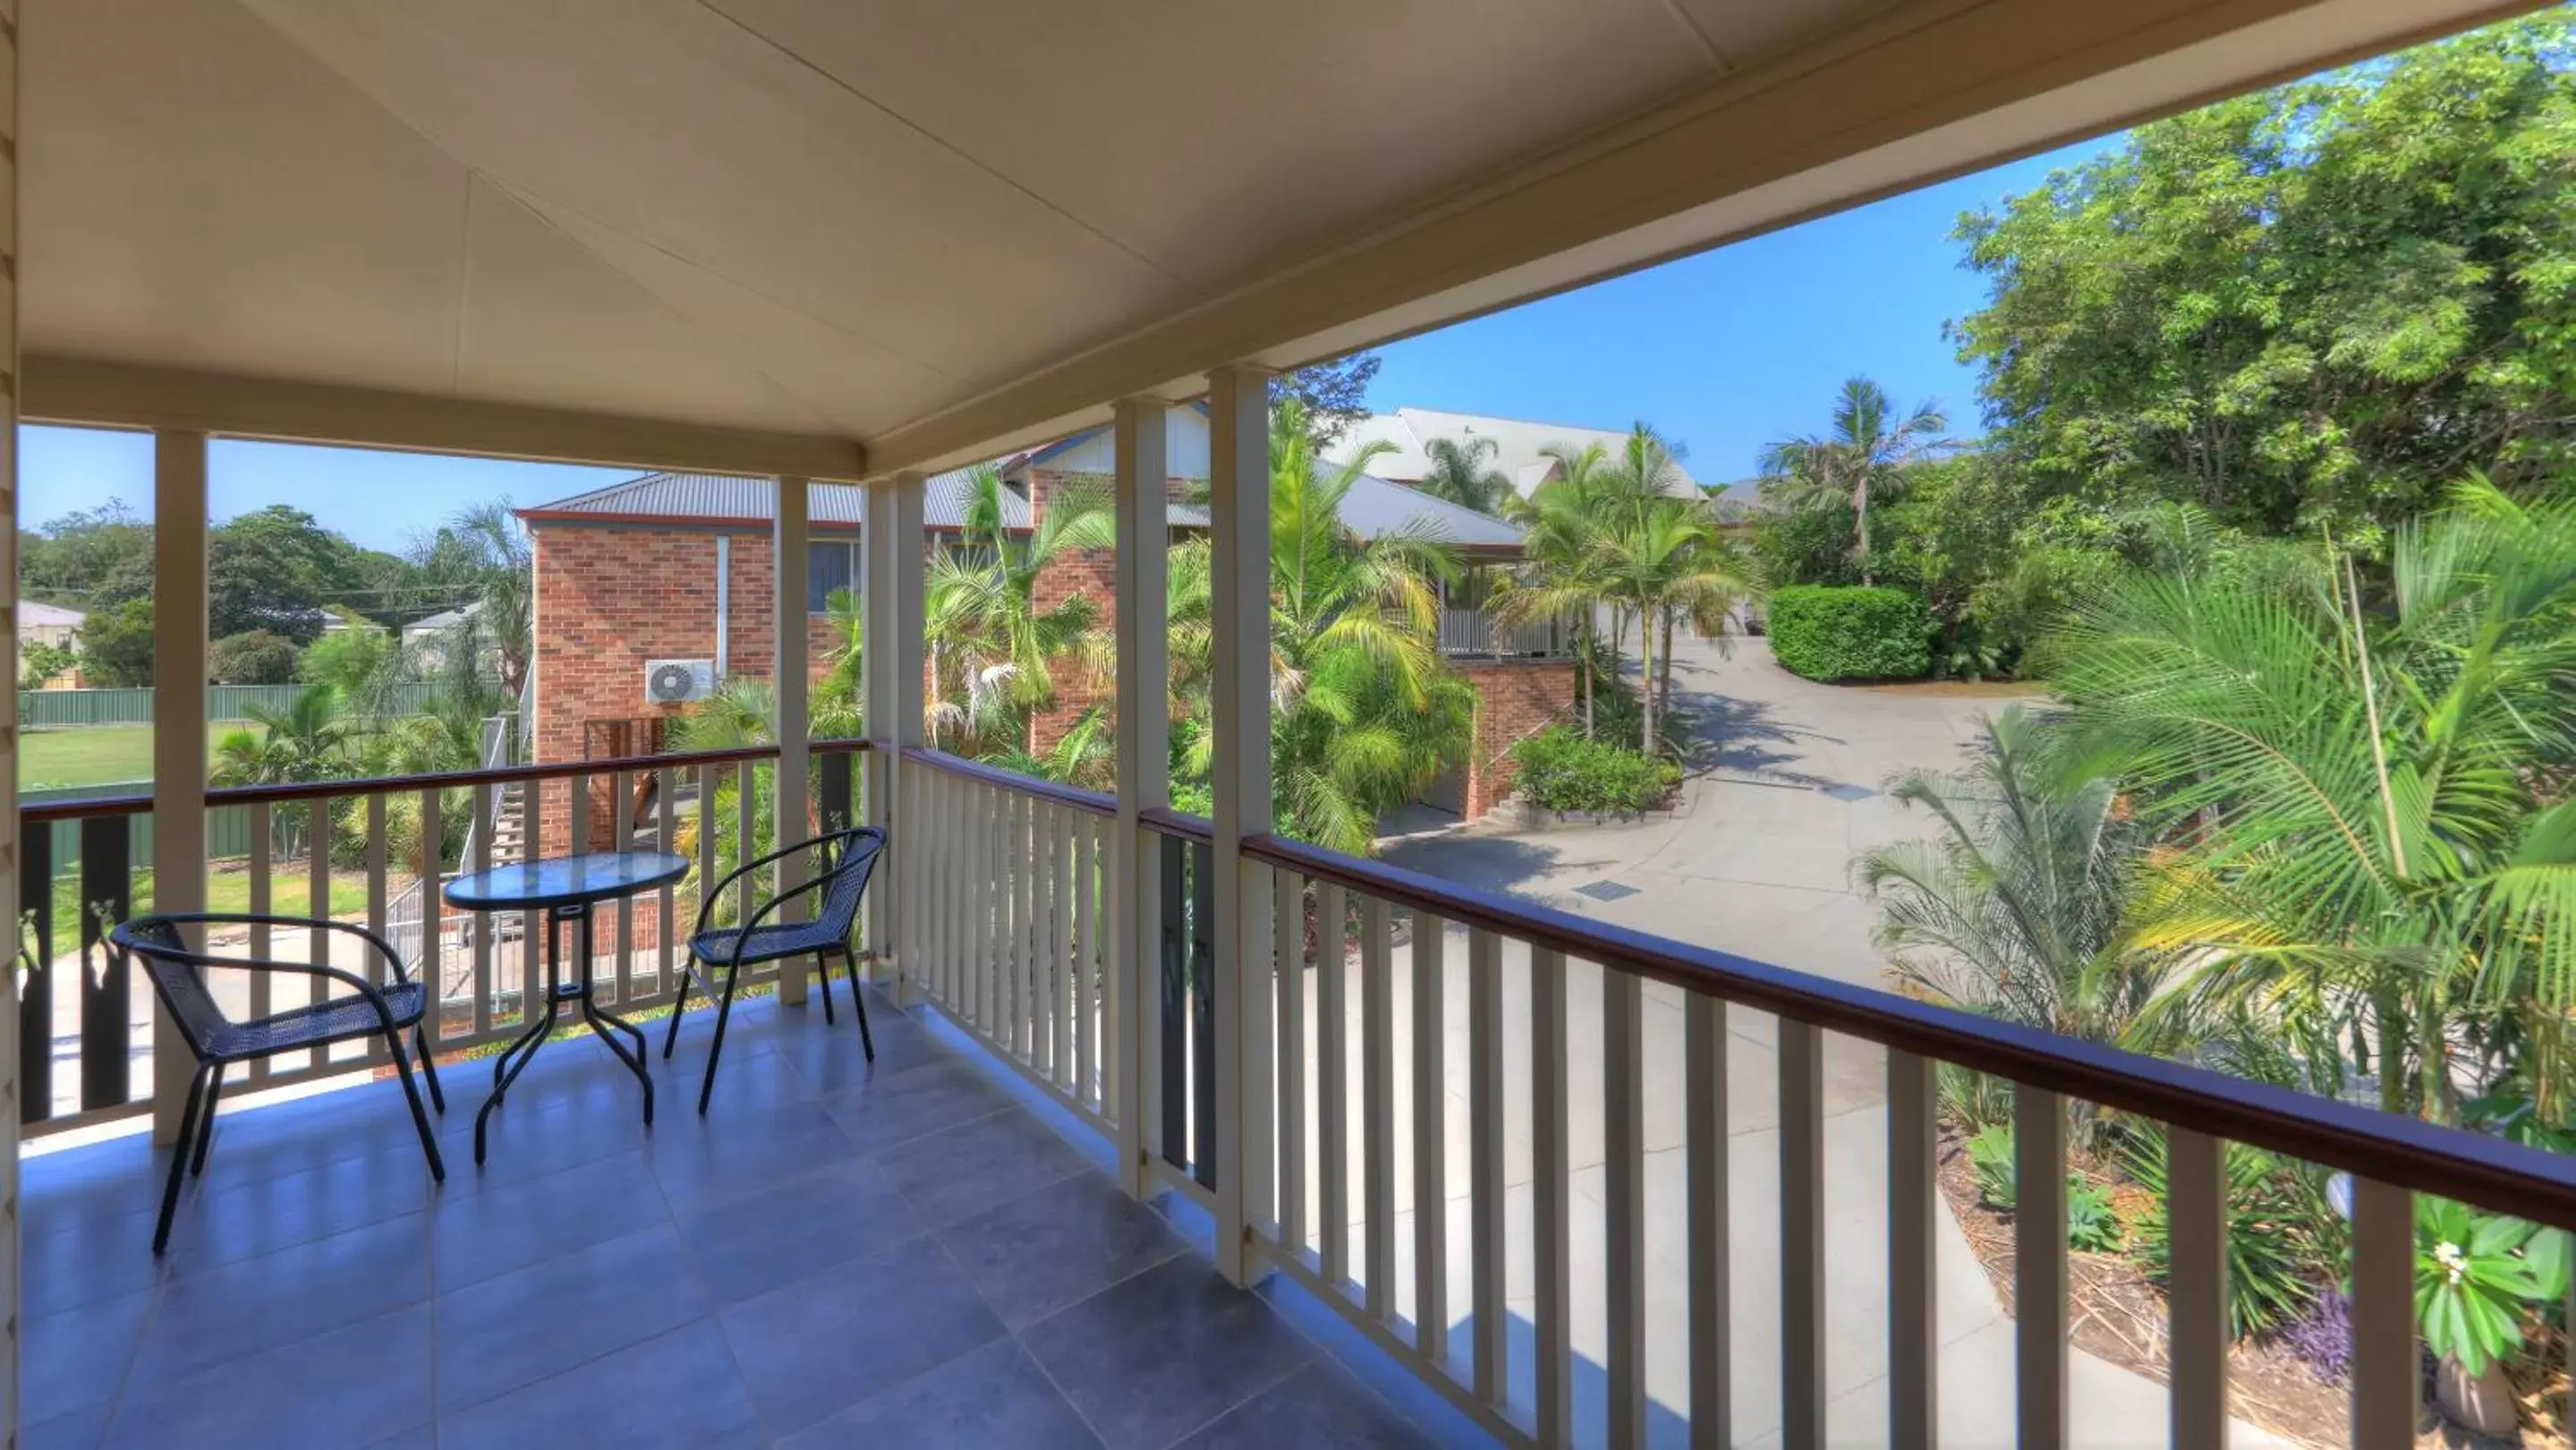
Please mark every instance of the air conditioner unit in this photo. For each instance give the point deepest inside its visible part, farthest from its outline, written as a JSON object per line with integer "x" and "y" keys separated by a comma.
{"x": 677, "y": 682}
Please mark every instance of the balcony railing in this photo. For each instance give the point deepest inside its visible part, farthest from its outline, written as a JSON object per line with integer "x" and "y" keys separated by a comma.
{"x": 1372, "y": 978}
{"x": 1388, "y": 1017}
{"x": 86, "y": 1022}
{"x": 1467, "y": 630}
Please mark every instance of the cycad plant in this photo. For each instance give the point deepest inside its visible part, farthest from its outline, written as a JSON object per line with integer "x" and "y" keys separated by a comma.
{"x": 2016, "y": 908}
{"x": 2369, "y": 844}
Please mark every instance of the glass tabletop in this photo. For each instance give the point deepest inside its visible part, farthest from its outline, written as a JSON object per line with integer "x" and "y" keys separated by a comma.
{"x": 566, "y": 880}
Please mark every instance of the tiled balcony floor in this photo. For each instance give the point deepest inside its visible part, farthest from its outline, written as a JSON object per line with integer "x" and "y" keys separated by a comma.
{"x": 837, "y": 1255}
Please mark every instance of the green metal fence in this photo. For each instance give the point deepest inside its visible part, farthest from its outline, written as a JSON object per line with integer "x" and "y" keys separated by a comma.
{"x": 227, "y": 827}
{"x": 42, "y": 709}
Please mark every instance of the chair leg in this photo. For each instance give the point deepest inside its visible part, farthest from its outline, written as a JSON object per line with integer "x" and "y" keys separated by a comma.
{"x": 715, "y": 1050}
{"x": 679, "y": 1004}
{"x": 859, "y": 1003}
{"x": 419, "y": 1114}
{"x": 179, "y": 1156}
{"x": 823, "y": 969}
{"x": 428, "y": 1069}
{"x": 206, "y": 1124}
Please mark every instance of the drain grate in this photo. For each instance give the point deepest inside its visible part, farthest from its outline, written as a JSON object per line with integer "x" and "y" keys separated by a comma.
{"x": 1604, "y": 890}
{"x": 1849, "y": 792}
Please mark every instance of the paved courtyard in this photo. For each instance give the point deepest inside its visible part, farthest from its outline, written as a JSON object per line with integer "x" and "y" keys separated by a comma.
{"x": 1757, "y": 861}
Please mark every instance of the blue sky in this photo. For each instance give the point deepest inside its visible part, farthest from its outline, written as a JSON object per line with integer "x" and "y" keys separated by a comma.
{"x": 1723, "y": 351}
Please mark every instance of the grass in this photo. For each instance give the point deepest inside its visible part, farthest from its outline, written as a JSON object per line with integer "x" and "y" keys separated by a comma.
{"x": 91, "y": 754}
{"x": 226, "y": 890}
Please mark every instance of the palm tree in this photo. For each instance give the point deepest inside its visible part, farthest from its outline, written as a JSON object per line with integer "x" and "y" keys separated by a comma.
{"x": 1562, "y": 522}
{"x": 994, "y": 652}
{"x": 1667, "y": 560}
{"x": 2370, "y": 841}
{"x": 1463, "y": 474}
{"x": 1364, "y": 714}
{"x": 2016, "y": 908}
{"x": 1865, "y": 452}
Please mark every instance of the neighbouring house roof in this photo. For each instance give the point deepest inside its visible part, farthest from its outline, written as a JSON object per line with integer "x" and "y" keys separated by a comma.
{"x": 1374, "y": 506}
{"x": 444, "y": 619}
{"x": 1518, "y": 445}
{"x": 752, "y": 502}
{"x": 1739, "y": 502}
{"x": 33, "y": 615}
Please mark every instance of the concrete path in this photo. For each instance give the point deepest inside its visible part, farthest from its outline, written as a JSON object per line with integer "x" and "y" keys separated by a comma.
{"x": 1756, "y": 862}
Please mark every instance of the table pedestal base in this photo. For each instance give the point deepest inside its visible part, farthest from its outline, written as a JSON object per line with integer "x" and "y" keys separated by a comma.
{"x": 514, "y": 1058}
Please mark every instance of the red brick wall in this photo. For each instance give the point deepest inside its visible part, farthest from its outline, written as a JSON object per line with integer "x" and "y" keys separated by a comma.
{"x": 1087, "y": 573}
{"x": 1514, "y": 698}
{"x": 611, "y": 598}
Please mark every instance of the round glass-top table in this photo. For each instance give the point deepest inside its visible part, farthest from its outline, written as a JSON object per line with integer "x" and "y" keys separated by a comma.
{"x": 565, "y": 888}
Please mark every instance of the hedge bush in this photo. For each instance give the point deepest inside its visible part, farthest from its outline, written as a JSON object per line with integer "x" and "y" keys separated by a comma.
{"x": 1562, "y": 771}
{"x": 1834, "y": 633}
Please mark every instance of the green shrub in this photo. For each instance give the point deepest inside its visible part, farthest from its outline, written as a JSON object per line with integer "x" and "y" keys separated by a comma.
{"x": 2282, "y": 1240}
{"x": 1562, "y": 771}
{"x": 1827, "y": 633}
{"x": 2092, "y": 1225}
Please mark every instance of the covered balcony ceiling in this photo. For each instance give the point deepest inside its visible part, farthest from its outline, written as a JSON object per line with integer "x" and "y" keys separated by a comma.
{"x": 892, "y": 233}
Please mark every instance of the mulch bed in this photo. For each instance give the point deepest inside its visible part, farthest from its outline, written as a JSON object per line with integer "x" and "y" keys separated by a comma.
{"x": 2117, "y": 1314}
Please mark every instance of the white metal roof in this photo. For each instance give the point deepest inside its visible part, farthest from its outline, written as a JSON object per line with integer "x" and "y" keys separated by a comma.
{"x": 48, "y": 616}
{"x": 1519, "y": 445}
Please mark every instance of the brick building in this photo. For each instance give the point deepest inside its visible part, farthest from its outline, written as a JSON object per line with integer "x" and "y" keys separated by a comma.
{"x": 679, "y": 567}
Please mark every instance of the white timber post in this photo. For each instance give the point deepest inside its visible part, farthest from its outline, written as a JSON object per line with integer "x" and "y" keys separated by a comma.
{"x": 179, "y": 613}
{"x": 1239, "y": 497}
{"x": 1144, "y": 769}
{"x": 788, "y": 548}
{"x": 890, "y": 681}
{"x": 10, "y": 1340}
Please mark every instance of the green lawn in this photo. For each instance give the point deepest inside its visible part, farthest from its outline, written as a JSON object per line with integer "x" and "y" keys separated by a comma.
{"x": 90, "y": 754}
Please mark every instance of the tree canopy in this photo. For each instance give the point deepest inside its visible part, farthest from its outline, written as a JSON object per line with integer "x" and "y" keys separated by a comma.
{"x": 2310, "y": 307}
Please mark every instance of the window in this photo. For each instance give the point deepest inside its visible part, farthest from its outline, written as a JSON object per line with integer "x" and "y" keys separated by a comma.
{"x": 831, "y": 564}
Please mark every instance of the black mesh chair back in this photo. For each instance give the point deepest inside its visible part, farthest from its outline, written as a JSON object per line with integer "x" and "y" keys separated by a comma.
{"x": 852, "y": 862}
{"x": 844, "y": 861}
{"x": 178, "y": 979}
{"x": 383, "y": 1007}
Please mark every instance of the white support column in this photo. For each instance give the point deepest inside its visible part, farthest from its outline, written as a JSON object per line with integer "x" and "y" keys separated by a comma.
{"x": 179, "y": 614}
{"x": 788, "y": 570}
{"x": 10, "y": 1339}
{"x": 1144, "y": 768}
{"x": 1239, "y": 493}
{"x": 890, "y": 674}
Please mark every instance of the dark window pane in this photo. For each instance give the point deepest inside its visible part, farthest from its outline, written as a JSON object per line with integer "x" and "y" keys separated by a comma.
{"x": 829, "y": 566}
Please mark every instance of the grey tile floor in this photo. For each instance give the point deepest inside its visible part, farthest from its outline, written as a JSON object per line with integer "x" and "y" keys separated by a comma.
{"x": 897, "y": 1255}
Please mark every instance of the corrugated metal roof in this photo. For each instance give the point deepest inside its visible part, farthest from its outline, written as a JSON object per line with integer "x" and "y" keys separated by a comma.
{"x": 717, "y": 497}
{"x": 1373, "y": 506}
{"x": 1519, "y": 445}
{"x": 32, "y": 613}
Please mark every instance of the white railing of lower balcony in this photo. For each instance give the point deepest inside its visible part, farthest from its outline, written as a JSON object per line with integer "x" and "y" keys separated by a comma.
{"x": 86, "y": 1022}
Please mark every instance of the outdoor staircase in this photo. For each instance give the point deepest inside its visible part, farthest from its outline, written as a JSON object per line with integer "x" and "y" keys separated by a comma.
{"x": 509, "y": 823}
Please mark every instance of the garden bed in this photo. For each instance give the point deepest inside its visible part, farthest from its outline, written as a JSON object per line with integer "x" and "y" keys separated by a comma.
{"x": 2118, "y": 1315}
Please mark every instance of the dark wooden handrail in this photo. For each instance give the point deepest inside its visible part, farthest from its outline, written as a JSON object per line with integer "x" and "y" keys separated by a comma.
{"x": 310, "y": 790}
{"x": 2490, "y": 1172}
{"x": 1095, "y": 802}
{"x": 1164, "y": 821}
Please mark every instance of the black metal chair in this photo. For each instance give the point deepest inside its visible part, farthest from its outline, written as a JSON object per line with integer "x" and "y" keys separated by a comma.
{"x": 178, "y": 978}
{"x": 847, "y": 859}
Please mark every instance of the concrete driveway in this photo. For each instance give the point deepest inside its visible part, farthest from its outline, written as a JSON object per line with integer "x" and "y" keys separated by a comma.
{"x": 1756, "y": 862}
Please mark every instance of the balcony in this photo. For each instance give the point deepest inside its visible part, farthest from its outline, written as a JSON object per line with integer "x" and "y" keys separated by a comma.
{"x": 1684, "y": 1196}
